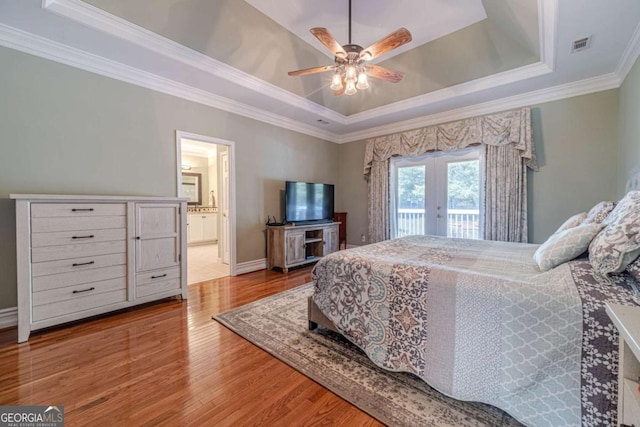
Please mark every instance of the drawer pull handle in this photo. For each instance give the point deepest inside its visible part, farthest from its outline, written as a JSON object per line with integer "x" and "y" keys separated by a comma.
{"x": 78, "y": 264}
{"x": 84, "y": 290}
{"x": 82, "y": 210}
{"x": 83, "y": 237}
{"x": 157, "y": 277}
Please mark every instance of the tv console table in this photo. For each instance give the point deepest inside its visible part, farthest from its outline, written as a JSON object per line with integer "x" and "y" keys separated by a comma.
{"x": 292, "y": 246}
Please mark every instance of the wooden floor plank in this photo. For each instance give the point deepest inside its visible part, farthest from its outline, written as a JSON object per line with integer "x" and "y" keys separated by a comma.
{"x": 168, "y": 363}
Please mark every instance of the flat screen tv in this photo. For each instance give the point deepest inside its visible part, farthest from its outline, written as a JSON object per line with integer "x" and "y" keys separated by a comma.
{"x": 307, "y": 202}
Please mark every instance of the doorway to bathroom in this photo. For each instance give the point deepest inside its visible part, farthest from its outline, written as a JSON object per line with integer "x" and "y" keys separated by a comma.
{"x": 205, "y": 178}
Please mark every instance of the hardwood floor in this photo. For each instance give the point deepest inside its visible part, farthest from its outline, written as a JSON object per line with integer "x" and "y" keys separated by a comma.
{"x": 169, "y": 364}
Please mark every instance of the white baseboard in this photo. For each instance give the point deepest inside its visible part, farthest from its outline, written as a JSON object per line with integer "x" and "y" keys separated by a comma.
{"x": 249, "y": 266}
{"x": 349, "y": 246}
{"x": 8, "y": 317}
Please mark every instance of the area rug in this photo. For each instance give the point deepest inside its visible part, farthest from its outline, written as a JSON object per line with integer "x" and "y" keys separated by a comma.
{"x": 278, "y": 324}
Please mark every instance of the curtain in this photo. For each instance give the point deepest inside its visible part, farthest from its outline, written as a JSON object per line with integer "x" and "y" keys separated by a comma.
{"x": 379, "y": 229}
{"x": 505, "y": 194}
{"x": 510, "y": 130}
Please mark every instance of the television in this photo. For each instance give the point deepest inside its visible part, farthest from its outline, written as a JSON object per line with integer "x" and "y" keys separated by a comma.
{"x": 308, "y": 202}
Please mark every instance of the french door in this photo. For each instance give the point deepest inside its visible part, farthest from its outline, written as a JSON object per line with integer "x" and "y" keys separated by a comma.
{"x": 438, "y": 194}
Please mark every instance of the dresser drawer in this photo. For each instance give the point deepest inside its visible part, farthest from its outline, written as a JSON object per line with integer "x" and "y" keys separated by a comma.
{"x": 53, "y": 281}
{"x": 75, "y": 237}
{"x": 79, "y": 303}
{"x": 157, "y": 281}
{"x": 85, "y": 223}
{"x": 78, "y": 291}
{"x": 52, "y": 253}
{"x": 81, "y": 264}
{"x": 46, "y": 210}
{"x": 157, "y": 276}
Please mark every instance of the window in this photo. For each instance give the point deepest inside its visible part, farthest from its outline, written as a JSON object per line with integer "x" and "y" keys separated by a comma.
{"x": 438, "y": 193}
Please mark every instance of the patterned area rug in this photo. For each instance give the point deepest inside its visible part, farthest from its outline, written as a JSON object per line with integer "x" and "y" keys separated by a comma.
{"x": 278, "y": 325}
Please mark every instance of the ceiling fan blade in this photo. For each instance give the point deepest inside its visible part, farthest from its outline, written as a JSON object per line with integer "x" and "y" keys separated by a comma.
{"x": 312, "y": 70}
{"x": 392, "y": 41}
{"x": 384, "y": 73}
{"x": 330, "y": 43}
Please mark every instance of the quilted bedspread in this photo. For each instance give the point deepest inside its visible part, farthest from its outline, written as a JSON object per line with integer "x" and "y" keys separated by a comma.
{"x": 477, "y": 320}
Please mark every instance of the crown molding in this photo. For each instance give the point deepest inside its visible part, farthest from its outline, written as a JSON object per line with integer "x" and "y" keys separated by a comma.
{"x": 547, "y": 23}
{"x": 115, "y": 26}
{"x": 101, "y": 20}
{"x": 582, "y": 87}
{"x": 629, "y": 56}
{"x": 467, "y": 88}
{"x": 39, "y": 46}
{"x": 548, "y": 29}
{"x": 74, "y": 9}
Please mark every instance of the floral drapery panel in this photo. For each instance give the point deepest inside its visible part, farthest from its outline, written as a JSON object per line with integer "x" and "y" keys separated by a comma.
{"x": 509, "y": 129}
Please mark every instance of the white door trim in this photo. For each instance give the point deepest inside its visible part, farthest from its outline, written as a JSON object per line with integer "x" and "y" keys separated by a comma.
{"x": 232, "y": 183}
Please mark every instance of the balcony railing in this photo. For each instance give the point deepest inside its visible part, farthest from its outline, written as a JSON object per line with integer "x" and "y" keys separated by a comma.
{"x": 461, "y": 223}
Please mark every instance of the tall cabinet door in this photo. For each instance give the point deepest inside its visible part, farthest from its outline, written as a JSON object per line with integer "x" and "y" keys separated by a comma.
{"x": 157, "y": 236}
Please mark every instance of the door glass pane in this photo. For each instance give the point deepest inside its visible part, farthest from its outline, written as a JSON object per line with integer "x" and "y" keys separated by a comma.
{"x": 463, "y": 199}
{"x": 411, "y": 182}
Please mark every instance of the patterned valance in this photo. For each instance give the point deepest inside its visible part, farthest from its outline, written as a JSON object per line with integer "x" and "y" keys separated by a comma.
{"x": 509, "y": 127}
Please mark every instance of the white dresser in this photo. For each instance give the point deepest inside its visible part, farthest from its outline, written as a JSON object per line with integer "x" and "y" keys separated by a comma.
{"x": 79, "y": 256}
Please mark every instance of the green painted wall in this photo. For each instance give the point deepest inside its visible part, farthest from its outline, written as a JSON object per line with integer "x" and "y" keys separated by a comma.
{"x": 67, "y": 131}
{"x": 629, "y": 143}
{"x": 576, "y": 144}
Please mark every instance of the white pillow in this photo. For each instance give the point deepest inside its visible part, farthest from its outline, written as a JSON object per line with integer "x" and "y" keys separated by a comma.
{"x": 572, "y": 221}
{"x": 565, "y": 245}
{"x": 599, "y": 212}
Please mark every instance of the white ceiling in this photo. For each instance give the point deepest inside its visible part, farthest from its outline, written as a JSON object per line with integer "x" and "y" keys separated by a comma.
{"x": 75, "y": 33}
{"x": 373, "y": 19}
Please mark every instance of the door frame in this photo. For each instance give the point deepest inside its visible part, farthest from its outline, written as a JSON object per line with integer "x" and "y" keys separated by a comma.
{"x": 231, "y": 149}
{"x": 439, "y": 161}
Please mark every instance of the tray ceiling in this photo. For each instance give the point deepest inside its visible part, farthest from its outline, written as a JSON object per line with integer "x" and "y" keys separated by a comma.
{"x": 235, "y": 55}
{"x": 373, "y": 19}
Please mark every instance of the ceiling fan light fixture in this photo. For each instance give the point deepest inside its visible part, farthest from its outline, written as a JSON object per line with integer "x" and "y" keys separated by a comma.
{"x": 351, "y": 74}
{"x": 336, "y": 81}
{"x": 350, "y": 71}
{"x": 363, "y": 81}
{"x": 351, "y": 88}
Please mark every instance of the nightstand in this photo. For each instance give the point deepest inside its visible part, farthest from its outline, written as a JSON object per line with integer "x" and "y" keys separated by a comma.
{"x": 627, "y": 321}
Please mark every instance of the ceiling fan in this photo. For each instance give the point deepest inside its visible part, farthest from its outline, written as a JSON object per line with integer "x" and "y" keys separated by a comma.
{"x": 351, "y": 66}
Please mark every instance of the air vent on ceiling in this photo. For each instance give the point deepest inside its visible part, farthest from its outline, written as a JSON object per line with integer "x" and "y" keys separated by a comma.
{"x": 580, "y": 44}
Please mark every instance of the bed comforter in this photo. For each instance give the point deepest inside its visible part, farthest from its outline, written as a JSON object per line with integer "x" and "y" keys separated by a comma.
{"x": 477, "y": 320}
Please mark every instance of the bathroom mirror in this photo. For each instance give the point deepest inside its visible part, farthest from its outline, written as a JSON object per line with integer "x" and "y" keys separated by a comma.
{"x": 192, "y": 188}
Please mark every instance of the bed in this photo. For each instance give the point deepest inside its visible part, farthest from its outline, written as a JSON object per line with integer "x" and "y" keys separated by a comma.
{"x": 479, "y": 321}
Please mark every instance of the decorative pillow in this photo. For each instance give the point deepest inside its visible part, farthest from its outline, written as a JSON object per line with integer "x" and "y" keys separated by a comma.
{"x": 573, "y": 221}
{"x": 619, "y": 243}
{"x": 634, "y": 269}
{"x": 565, "y": 245}
{"x": 599, "y": 212}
